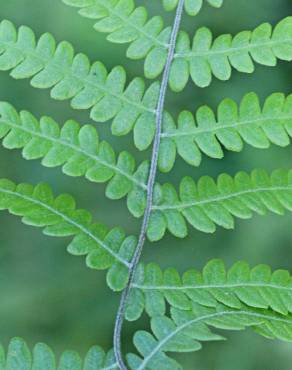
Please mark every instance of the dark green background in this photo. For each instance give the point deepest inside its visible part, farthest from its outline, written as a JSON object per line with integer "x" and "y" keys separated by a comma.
{"x": 50, "y": 296}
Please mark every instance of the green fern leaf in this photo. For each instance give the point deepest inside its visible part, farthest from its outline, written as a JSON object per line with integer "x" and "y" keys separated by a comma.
{"x": 104, "y": 248}
{"x": 207, "y": 204}
{"x": 230, "y": 299}
{"x": 182, "y": 333}
{"x": 149, "y": 39}
{"x": 87, "y": 86}
{"x": 248, "y": 123}
{"x": 126, "y": 23}
{"x": 257, "y": 287}
{"x": 192, "y": 7}
{"x": 234, "y": 126}
{"x": 185, "y": 331}
{"x": 79, "y": 152}
{"x": 207, "y": 57}
{"x": 19, "y": 357}
{"x": 91, "y": 87}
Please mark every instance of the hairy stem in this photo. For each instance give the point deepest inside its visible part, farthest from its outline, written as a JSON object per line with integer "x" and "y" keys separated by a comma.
{"x": 150, "y": 188}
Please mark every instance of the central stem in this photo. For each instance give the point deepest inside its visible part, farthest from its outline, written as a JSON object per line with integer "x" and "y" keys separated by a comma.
{"x": 150, "y": 188}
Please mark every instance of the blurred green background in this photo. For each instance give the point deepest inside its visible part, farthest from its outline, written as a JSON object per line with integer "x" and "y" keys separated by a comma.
{"x": 50, "y": 296}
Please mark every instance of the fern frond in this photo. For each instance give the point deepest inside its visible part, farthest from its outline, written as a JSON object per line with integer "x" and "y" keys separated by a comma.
{"x": 104, "y": 248}
{"x": 87, "y": 86}
{"x": 185, "y": 331}
{"x": 192, "y": 7}
{"x": 258, "y": 287}
{"x": 199, "y": 60}
{"x": 19, "y": 357}
{"x": 91, "y": 87}
{"x": 206, "y": 57}
{"x": 233, "y": 126}
{"x": 127, "y": 24}
{"x": 79, "y": 152}
{"x": 207, "y": 203}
